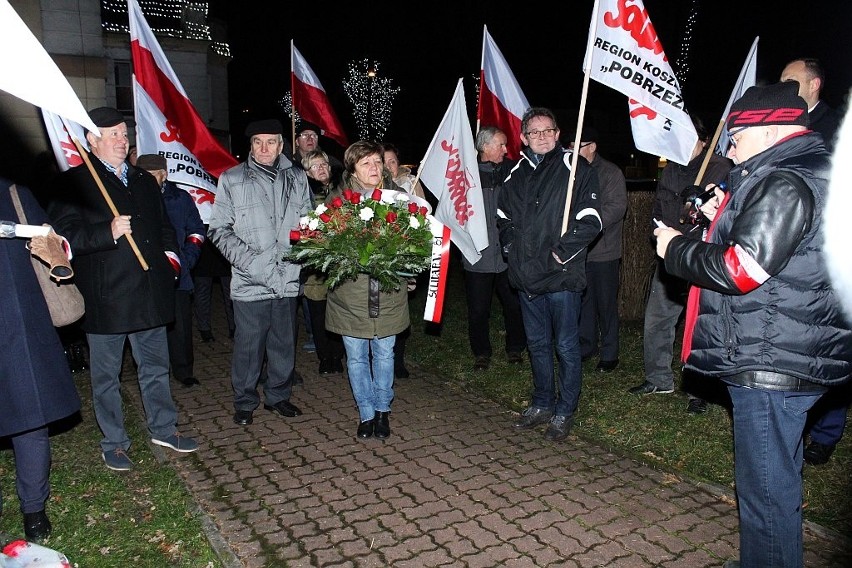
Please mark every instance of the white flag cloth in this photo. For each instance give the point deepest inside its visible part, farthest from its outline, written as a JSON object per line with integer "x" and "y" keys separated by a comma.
{"x": 450, "y": 171}
{"x": 746, "y": 79}
{"x": 501, "y": 101}
{"x": 166, "y": 121}
{"x": 28, "y": 72}
{"x": 67, "y": 155}
{"x": 624, "y": 52}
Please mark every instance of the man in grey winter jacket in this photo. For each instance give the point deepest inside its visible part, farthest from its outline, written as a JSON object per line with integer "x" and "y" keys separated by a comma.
{"x": 257, "y": 204}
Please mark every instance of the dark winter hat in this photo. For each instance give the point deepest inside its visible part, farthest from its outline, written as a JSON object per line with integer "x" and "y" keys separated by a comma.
{"x": 151, "y": 162}
{"x": 778, "y": 103}
{"x": 305, "y": 125}
{"x": 268, "y": 126}
{"x": 588, "y": 134}
{"x": 104, "y": 117}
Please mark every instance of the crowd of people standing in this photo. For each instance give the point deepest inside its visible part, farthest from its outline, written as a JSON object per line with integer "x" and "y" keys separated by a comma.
{"x": 748, "y": 272}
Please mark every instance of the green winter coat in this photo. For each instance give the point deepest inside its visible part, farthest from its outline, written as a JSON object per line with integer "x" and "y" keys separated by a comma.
{"x": 347, "y": 310}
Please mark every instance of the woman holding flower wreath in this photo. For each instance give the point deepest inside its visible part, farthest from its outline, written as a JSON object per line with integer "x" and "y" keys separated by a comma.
{"x": 368, "y": 239}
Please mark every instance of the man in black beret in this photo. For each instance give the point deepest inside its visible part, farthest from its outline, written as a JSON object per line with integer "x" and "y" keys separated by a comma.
{"x": 257, "y": 204}
{"x": 124, "y": 302}
{"x": 762, "y": 315}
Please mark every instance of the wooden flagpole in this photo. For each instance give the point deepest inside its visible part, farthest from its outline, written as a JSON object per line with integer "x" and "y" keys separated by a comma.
{"x": 711, "y": 149}
{"x": 85, "y": 155}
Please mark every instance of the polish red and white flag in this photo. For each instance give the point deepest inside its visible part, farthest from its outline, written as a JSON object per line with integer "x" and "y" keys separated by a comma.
{"x": 625, "y": 53}
{"x": 166, "y": 121}
{"x": 310, "y": 99}
{"x": 501, "y": 101}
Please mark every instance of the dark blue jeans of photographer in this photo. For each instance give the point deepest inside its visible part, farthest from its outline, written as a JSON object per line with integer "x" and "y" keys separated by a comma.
{"x": 768, "y": 443}
{"x": 551, "y": 322}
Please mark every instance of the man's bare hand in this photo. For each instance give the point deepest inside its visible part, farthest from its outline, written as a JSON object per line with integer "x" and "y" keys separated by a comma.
{"x": 120, "y": 226}
{"x": 664, "y": 237}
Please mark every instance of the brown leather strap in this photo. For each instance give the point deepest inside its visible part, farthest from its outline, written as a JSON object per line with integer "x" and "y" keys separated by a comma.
{"x": 22, "y": 217}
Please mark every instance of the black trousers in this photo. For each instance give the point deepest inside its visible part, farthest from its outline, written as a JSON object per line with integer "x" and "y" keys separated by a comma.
{"x": 480, "y": 288}
{"x": 599, "y": 310}
{"x": 179, "y": 333}
{"x": 203, "y": 301}
{"x": 329, "y": 345}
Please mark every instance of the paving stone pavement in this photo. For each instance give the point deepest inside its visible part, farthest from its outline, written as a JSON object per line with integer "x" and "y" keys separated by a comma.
{"x": 453, "y": 486}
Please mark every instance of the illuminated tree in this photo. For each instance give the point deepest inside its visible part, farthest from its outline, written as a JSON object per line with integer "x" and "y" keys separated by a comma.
{"x": 372, "y": 98}
{"x": 682, "y": 64}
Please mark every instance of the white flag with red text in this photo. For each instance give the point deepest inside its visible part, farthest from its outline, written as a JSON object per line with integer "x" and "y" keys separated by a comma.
{"x": 624, "y": 53}
{"x": 311, "y": 101}
{"x": 166, "y": 121}
{"x": 501, "y": 101}
{"x": 64, "y": 149}
{"x": 747, "y": 78}
{"x": 29, "y": 73}
{"x": 450, "y": 171}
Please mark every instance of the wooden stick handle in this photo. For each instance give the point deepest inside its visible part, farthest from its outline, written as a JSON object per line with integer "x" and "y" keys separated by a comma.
{"x": 85, "y": 155}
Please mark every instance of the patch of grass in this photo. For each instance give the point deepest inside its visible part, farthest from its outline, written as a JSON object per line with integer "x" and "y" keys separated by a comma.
{"x": 655, "y": 429}
{"x": 102, "y": 518}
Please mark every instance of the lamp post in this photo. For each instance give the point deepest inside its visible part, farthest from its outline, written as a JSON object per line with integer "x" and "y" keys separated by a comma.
{"x": 371, "y": 74}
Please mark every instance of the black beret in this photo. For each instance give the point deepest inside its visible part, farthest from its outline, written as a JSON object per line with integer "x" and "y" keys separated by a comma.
{"x": 268, "y": 126}
{"x": 104, "y": 117}
{"x": 588, "y": 134}
{"x": 778, "y": 103}
{"x": 151, "y": 162}
{"x": 305, "y": 125}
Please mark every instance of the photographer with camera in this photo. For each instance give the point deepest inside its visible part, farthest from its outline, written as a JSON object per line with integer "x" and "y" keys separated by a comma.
{"x": 667, "y": 293}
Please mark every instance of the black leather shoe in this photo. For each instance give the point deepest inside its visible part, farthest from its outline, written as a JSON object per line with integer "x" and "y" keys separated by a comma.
{"x": 243, "y": 417}
{"x": 696, "y": 406}
{"x": 37, "y": 525}
{"x": 284, "y": 408}
{"x": 326, "y": 367}
{"x": 207, "y": 336}
{"x": 818, "y": 454}
{"x": 607, "y": 366}
{"x": 365, "y": 428}
{"x": 481, "y": 363}
{"x": 514, "y": 357}
{"x": 559, "y": 428}
{"x": 381, "y": 423}
{"x": 336, "y": 366}
{"x": 650, "y": 388}
{"x": 189, "y": 381}
{"x": 400, "y": 372}
{"x": 532, "y": 417}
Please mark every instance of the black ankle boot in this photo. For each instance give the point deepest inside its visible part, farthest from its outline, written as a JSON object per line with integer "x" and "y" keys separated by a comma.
{"x": 36, "y": 525}
{"x": 382, "y": 425}
{"x": 365, "y": 428}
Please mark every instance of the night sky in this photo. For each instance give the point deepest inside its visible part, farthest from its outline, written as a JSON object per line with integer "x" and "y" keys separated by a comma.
{"x": 426, "y": 46}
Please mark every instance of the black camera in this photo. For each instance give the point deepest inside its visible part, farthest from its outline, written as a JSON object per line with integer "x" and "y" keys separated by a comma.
{"x": 693, "y": 199}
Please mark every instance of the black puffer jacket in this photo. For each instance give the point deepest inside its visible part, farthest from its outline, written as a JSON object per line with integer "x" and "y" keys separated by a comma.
{"x": 531, "y": 204}
{"x": 766, "y": 315}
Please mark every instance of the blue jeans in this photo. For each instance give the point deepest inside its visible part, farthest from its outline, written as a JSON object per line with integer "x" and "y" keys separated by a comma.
{"x": 768, "y": 428}
{"x": 552, "y": 321}
{"x": 372, "y": 385}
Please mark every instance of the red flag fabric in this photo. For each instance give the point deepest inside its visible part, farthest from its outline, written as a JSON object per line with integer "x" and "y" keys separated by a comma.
{"x": 501, "y": 101}
{"x": 155, "y": 76}
{"x": 311, "y": 101}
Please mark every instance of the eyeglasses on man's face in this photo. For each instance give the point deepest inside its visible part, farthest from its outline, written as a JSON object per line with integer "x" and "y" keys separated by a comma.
{"x": 543, "y": 133}
{"x": 308, "y": 135}
{"x": 319, "y": 166}
{"x": 732, "y": 136}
